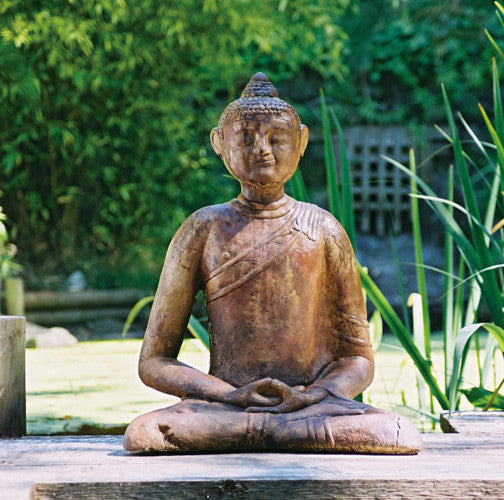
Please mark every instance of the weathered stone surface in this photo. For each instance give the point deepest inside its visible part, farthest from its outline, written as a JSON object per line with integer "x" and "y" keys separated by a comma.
{"x": 289, "y": 344}
{"x": 39, "y": 336}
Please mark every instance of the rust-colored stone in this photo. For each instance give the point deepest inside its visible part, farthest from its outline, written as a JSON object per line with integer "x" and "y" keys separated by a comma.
{"x": 289, "y": 338}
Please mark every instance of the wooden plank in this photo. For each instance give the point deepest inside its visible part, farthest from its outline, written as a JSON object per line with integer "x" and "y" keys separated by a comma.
{"x": 12, "y": 376}
{"x": 286, "y": 488}
{"x": 35, "y": 301}
{"x": 58, "y": 317}
{"x": 446, "y": 459}
{"x": 476, "y": 423}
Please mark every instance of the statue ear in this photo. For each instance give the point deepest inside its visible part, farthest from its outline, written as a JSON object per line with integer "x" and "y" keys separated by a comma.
{"x": 303, "y": 138}
{"x": 216, "y": 140}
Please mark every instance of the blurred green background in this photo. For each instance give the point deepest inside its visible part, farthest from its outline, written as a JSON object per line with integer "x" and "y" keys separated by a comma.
{"x": 106, "y": 106}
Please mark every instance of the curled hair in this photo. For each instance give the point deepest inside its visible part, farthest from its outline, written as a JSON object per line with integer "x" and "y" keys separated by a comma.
{"x": 259, "y": 98}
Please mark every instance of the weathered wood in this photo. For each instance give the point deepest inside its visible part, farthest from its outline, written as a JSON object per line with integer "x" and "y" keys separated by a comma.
{"x": 12, "y": 376}
{"x": 75, "y": 315}
{"x": 286, "y": 488}
{"x": 448, "y": 459}
{"x": 36, "y": 301}
{"x": 14, "y": 296}
{"x": 477, "y": 423}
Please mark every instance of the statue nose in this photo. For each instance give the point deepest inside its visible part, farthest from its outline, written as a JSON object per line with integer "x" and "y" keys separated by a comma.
{"x": 261, "y": 145}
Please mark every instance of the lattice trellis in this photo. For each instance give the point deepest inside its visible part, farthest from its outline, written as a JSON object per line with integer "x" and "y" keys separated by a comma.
{"x": 381, "y": 190}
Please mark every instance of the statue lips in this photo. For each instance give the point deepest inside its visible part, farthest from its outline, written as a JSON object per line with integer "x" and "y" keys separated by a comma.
{"x": 265, "y": 161}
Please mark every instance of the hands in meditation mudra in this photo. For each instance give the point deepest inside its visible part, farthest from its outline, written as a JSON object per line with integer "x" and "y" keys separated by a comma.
{"x": 289, "y": 341}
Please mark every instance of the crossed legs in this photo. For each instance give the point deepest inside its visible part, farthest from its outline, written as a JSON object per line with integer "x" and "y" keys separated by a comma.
{"x": 333, "y": 425}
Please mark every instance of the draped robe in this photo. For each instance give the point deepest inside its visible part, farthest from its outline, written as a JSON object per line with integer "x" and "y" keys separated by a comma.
{"x": 272, "y": 310}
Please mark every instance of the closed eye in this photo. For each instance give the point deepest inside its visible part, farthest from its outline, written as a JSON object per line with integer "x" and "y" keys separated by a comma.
{"x": 278, "y": 137}
{"x": 246, "y": 138}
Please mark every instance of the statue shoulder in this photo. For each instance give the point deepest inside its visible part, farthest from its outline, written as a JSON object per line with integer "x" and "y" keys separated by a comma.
{"x": 204, "y": 219}
{"x": 329, "y": 225}
{"x": 333, "y": 232}
{"x": 316, "y": 223}
{"x": 188, "y": 243}
{"x": 196, "y": 229}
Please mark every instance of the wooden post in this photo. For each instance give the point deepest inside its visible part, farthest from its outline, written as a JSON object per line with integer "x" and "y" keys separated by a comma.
{"x": 14, "y": 296}
{"x": 12, "y": 376}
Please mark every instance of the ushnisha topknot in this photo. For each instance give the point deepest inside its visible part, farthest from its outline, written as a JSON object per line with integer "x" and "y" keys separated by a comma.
{"x": 259, "y": 97}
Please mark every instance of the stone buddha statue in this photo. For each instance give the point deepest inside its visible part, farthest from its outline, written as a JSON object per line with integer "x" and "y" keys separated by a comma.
{"x": 289, "y": 340}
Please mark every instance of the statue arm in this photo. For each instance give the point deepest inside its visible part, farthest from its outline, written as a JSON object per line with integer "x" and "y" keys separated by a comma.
{"x": 352, "y": 368}
{"x": 178, "y": 285}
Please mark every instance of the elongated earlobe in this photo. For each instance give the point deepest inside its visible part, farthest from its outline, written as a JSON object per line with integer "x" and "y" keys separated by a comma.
{"x": 215, "y": 139}
{"x": 303, "y": 138}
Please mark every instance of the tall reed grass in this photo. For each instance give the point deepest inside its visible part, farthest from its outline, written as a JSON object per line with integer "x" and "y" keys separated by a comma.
{"x": 478, "y": 243}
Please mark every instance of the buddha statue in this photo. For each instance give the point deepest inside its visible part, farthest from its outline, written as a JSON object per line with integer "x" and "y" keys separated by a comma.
{"x": 289, "y": 340}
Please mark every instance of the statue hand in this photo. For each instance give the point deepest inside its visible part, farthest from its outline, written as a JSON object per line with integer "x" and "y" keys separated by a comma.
{"x": 256, "y": 393}
{"x": 292, "y": 398}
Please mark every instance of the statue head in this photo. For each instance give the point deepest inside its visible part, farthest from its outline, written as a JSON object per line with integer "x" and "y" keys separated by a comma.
{"x": 259, "y": 136}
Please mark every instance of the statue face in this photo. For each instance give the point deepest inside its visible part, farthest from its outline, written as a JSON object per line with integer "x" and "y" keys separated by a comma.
{"x": 263, "y": 149}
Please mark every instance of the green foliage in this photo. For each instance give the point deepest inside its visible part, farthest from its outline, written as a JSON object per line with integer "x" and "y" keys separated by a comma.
{"x": 297, "y": 187}
{"x": 106, "y": 105}
{"x": 199, "y": 331}
{"x": 460, "y": 351}
{"x": 480, "y": 244}
{"x": 404, "y": 336}
{"x": 194, "y": 326}
{"x": 339, "y": 188}
{"x": 110, "y": 152}
{"x": 339, "y": 184}
{"x": 7, "y": 249}
{"x": 480, "y": 247}
{"x": 402, "y": 51}
{"x": 480, "y": 397}
{"x": 135, "y": 310}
